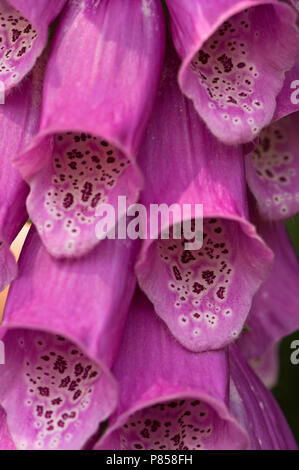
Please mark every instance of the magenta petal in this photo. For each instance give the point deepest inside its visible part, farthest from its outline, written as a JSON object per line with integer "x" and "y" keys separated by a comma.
{"x": 23, "y": 35}
{"x": 272, "y": 169}
{"x": 18, "y": 118}
{"x": 6, "y": 442}
{"x": 255, "y": 408}
{"x": 203, "y": 295}
{"x": 93, "y": 118}
{"x": 274, "y": 313}
{"x": 170, "y": 398}
{"x": 231, "y": 79}
{"x": 266, "y": 366}
{"x": 62, "y": 327}
{"x": 288, "y": 99}
{"x": 295, "y": 3}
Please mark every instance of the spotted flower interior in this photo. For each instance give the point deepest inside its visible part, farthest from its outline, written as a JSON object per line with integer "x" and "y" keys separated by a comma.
{"x": 17, "y": 41}
{"x": 83, "y": 171}
{"x": 273, "y": 169}
{"x": 206, "y": 292}
{"x": 52, "y": 392}
{"x": 184, "y": 424}
{"x": 234, "y": 84}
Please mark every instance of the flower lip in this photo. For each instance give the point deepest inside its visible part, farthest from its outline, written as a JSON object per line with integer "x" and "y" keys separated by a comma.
{"x": 23, "y": 36}
{"x": 221, "y": 414}
{"x": 226, "y": 121}
{"x": 58, "y": 384}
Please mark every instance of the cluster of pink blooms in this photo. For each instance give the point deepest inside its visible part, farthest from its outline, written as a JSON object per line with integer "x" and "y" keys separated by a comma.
{"x": 144, "y": 344}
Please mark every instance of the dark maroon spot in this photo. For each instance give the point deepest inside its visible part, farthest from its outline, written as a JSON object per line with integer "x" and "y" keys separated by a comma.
{"x": 220, "y": 292}
{"x": 15, "y": 35}
{"x": 44, "y": 391}
{"x": 68, "y": 200}
{"x": 86, "y": 191}
{"x": 22, "y": 51}
{"x": 39, "y": 410}
{"x": 226, "y": 62}
{"x": 208, "y": 276}
{"x": 77, "y": 394}
{"x": 187, "y": 256}
{"x": 64, "y": 382}
{"x": 60, "y": 364}
{"x": 197, "y": 287}
{"x": 203, "y": 57}
{"x": 177, "y": 273}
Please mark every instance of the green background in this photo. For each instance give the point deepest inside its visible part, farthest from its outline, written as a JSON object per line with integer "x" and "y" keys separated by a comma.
{"x": 287, "y": 389}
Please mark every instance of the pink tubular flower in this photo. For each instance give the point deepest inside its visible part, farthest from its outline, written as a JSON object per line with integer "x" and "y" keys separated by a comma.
{"x": 23, "y": 35}
{"x": 95, "y": 109}
{"x": 18, "y": 119}
{"x": 274, "y": 313}
{"x": 182, "y": 401}
{"x": 149, "y": 154}
{"x": 231, "y": 79}
{"x": 272, "y": 169}
{"x": 62, "y": 326}
{"x": 203, "y": 295}
{"x": 255, "y": 408}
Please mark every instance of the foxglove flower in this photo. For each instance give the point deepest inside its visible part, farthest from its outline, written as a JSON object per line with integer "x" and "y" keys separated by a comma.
{"x": 23, "y": 35}
{"x": 99, "y": 87}
{"x": 232, "y": 80}
{"x": 272, "y": 169}
{"x": 18, "y": 124}
{"x": 255, "y": 408}
{"x": 180, "y": 403}
{"x": 62, "y": 325}
{"x": 274, "y": 313}
{"x": 203, "y": 295}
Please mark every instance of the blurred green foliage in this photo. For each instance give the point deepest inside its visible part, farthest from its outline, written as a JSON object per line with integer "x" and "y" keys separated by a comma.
{"x": 286, "y": 391}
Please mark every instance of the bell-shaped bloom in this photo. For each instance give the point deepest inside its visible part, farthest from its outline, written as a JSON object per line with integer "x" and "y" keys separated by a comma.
{"x": 204, "y": 295}
{"x": 100, "y": 84}
{"x": 234, "y": 57}
{"x": 266, "y": 366}
{"x": 272, "y": 169}
{"x": 62, "y": 326}
{"x": 23, "y": 35}
{"x": 255, "y": 408}
{"x": 18, "y": 123}
{"x": 274, "y": 313}
{"x": 170, "y": 398}
{"x": 6, "y": 442}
